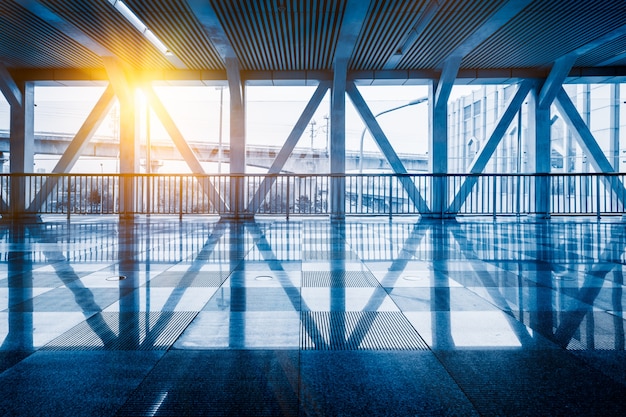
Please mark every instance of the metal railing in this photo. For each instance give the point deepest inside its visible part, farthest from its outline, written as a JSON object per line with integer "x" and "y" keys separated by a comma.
{"x": 293, "y": 194}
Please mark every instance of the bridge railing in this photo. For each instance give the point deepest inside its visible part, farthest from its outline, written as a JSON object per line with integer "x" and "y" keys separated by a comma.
{"x": 300, "y": 194}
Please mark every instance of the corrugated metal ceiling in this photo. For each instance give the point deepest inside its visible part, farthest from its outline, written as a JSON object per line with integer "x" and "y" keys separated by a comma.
{"x": 294, "y": 35}
{"x": 545, "y": 31}
{"x": 285, "y": 35}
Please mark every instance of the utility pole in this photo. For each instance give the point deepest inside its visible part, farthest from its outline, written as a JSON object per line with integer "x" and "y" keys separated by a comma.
{"x": 313, "y": 123}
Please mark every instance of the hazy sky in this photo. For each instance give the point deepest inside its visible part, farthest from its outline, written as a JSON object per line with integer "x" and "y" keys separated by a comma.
{"x": 271, "y": 114}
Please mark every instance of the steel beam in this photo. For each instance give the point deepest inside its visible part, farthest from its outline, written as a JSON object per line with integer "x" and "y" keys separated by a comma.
{"x": 588, "y": 143}
{"x": 505, "y": 13}
{"x": 212, "y": 26}
{"x": 446, "y": 82}
{"x": 386, "y": 148}
{"x": 553, "y": 83}
{"x": 205, "y": 13}
{"x": 564, "y": 64}
{"x": 72, "y": 31}
{"x": 76, "y": 147}
{"x": 611, "y": 74}
{"x": 85, "y": 133}
{"x": 439, "y": 112}
{"x": 9, "y": 88}
{"x": 480, "y": 162}
{"x": 64, "y": 26}
{"x": 120, "y": 80}
{"x": 420, "y": 21}
{"x": 184, "y": 149}
{"x": 288, "y": 146}
{"x": 354, "y": 16}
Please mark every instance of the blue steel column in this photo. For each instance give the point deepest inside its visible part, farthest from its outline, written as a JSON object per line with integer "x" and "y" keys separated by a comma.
{"x": 539, "y": 144}
{"x": 237, "y": 138}
{"x": 129, "y": 154}
{"x": 338, "y": 141}
{"x": 438, "y": 114}
{"x": 22, "y": 145}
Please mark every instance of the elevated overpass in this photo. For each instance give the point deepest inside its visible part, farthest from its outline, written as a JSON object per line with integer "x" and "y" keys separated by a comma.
{"x": 302, "y": 160}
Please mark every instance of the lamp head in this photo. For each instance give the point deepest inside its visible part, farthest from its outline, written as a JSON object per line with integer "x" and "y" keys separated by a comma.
{"x": 418, "y": 101}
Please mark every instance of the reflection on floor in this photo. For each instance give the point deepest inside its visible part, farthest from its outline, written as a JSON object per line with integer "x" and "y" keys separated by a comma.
{"x": 311, "y": 317}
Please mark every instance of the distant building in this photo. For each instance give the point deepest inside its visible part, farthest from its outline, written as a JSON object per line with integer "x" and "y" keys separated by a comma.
{"x": 472, "y": 118}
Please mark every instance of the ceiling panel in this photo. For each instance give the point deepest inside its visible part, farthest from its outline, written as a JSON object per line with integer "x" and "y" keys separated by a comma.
{"x": 26, "y": 41}
{"x": 545, "y": 31}
{"x": 387, "y": 26}
{"x": 101, "y": 22}
{"x": 605, "y": 53}
{"x": 299, "y": 35}
{"x": 452, "y": 24}
{"x": 177, "y": 27}
{"x": 282, "y": 35}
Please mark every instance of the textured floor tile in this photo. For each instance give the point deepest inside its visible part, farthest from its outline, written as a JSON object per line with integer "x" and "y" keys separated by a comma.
{"x": 14, "y": 296}
{"x": 73, "y": 383}
{"x": 219, "y": 383}
{"x": 338, "y": 279}
{"x": 262, "y": 278}
{"x": 186, "y": 279}
{"x": 533, "y": 382}
{"x": 358, "y": 331}
{"x": 255, "y": 299}
{"x": 347, "y": 299}
{"x": 125, "y": 331}
{"x": 378, "y": 384}
{"x": 242, "y": 330}
{"x": 439, "y": 299}
{"x": 88, "y": 300}
{"x": 611, "y": 363}
{"x": 447, "y": 330}
{"x": 29, "y": 331}
{"x": 164, "y": 299}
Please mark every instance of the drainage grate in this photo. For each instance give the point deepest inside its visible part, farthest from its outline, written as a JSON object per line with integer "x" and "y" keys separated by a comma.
{"x": 339, "y": 279}
{"x": 189, "y": 279}
{"x": 358, "y": 330}
{"x": 125, "y": 331}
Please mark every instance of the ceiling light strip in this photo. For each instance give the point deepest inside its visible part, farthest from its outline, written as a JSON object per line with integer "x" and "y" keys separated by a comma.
{"x": 134, "y": 20}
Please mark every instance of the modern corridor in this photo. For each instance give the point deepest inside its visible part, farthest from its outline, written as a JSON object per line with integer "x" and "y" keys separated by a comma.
{"x": 367, "y": 317}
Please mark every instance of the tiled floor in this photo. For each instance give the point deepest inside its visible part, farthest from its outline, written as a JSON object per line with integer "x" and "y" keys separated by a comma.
{"x": 155, "y": 317}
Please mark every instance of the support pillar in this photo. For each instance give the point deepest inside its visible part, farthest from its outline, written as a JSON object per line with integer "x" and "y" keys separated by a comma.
{"x": 237, "y": 126}
{"x": 237, "y": 138}
{"x": 438, "y": 153}
{"x": 539, "y": 144}
{"x": 129, "y": 153}
{"x": 22, "y": 145}
{"x": 124, "y": 88}
{"x": 338, "y": 141}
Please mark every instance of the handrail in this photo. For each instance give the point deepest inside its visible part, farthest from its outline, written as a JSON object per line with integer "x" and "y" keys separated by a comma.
{"x": 308, "y": 194}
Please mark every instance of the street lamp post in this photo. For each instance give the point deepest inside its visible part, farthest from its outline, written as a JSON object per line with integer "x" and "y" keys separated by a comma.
{"x": 410, "y": 103}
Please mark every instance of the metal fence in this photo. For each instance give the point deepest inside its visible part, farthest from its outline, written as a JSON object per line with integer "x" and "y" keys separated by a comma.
{"x": 290, "y": 194}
